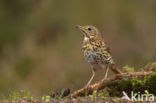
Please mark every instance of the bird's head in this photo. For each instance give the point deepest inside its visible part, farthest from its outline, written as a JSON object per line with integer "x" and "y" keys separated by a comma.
{"x": 89, "y": 31}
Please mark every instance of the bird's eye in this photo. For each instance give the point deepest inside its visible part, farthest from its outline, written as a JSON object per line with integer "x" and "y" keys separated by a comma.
{"x": 89, "y": 29}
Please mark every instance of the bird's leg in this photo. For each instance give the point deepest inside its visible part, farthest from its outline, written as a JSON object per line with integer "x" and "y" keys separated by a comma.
{"x": 93, "y": 74}
{"x": 106, "y": 73}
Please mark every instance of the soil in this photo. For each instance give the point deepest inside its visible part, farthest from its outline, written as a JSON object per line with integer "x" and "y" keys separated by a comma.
{"x": 83, "y": 100}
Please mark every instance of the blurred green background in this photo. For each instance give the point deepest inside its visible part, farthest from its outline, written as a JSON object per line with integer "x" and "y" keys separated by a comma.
{"x": 40, "y": 50}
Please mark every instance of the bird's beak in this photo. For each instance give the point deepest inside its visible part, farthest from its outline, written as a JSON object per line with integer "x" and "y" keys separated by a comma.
{"x": 82, "y": 29}
{"x": 78, "y": 27}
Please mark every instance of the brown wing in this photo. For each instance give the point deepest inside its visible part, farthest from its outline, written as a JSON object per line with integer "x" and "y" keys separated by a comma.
{"x": 108, "y": 49}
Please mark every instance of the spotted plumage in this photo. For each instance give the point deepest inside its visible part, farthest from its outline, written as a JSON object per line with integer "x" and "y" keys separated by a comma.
{"x": 96, "y": 52}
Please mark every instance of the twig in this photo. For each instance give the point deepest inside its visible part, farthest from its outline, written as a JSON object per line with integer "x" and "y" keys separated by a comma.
{"x": 100, "y": 85}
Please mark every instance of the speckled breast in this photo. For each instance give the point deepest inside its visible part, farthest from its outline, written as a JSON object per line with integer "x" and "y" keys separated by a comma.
{"x": 94, "y": 55}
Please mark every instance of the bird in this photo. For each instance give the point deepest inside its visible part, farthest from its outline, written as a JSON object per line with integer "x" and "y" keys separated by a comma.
{"x": 96, "y": 52}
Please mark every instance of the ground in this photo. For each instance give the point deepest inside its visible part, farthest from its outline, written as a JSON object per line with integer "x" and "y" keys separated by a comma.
{"x": 82, "y": 100}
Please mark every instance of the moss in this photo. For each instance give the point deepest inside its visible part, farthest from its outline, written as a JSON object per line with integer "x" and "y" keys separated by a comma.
{"x": 148, "y": 83}
{"x": 125, "y": 82}
{"x": 113, "y": 88}
{"x": 17, "y": 96}
{"x": 128, "y": 69}
{"x": 115, "y": 101}
{"x": 113, "y": 93}
{"x": 150, "y": 67}
{"x": 137, "y": 85}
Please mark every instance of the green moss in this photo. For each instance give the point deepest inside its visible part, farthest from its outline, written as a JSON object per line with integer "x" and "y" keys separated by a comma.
{"x": 112, "y": 88}
{"x": 136, "y": 82}
{"x": 137, "y": 85}
{"x": 128, "y": 69}
{"x": 150, "y": 83}
{"x": 126, "y": 84}
{"x": 115, "y": 101}
{"x": 15, "y": 96}
{"x": 150, "y": 67}
{"x": 113, "y": 93}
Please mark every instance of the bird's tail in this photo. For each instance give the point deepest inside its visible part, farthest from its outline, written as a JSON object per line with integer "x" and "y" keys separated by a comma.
{"x": 115, "y": 69}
